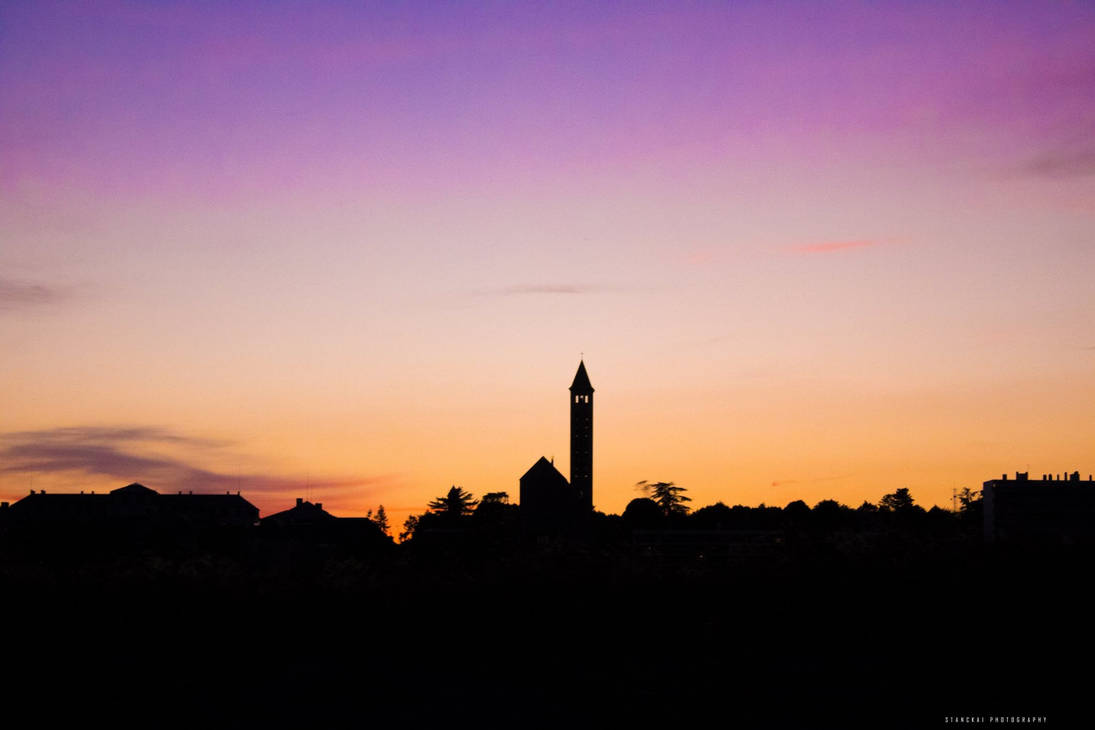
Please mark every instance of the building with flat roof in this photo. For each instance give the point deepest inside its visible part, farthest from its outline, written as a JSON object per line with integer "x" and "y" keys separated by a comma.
{"x": 1055, "y": 508}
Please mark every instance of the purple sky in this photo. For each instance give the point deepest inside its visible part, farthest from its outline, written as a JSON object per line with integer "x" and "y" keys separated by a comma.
{"x": 203, "y": 100}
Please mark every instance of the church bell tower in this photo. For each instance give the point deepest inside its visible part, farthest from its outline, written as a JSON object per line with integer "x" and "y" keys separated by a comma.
{"x": 581, "y": 437}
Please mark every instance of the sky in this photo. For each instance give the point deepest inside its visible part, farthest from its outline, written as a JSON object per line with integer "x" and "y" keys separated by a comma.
{"x": 353, "y": 252}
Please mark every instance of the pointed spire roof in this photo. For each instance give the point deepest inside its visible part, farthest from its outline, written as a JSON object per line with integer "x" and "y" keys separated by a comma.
{"x": 581, "y": 382}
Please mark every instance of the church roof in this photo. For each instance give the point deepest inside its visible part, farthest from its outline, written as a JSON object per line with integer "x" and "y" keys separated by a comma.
{"x": 581, "y": 382}
{"x": 541, "y": 468}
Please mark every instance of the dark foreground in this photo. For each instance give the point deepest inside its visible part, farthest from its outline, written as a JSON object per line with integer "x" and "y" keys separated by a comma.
{"x": 560, "y": 637}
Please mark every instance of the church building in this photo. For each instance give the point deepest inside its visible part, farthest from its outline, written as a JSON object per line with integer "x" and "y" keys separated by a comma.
{"x": 549, "y": 503}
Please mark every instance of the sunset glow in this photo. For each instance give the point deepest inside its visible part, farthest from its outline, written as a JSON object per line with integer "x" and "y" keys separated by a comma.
{"x": 355, "y": 253}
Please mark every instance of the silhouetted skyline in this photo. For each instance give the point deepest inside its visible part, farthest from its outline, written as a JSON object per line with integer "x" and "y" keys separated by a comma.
{"x": 348, "y": 252}
{"x": 291, "y": 294}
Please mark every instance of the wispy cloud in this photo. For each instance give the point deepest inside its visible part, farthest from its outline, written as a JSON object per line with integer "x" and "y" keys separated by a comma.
{"x": 1062, "y": 163}
{"x": 16, "y": 294}
{"x": 115, "y": 434}
{"x": 831, "y": 246}
{"x": 129, "y": 453}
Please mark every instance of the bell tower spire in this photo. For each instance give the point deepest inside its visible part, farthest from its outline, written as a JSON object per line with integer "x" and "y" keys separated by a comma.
{"x": 581, "y": 437}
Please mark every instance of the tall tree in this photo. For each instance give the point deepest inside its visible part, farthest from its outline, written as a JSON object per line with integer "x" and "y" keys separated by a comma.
{"x": 381, "y": 519}
{"x": 457, "y": 503}
{"x": 667, "y": 495}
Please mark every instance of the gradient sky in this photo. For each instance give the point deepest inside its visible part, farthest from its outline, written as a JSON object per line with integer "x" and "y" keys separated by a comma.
{"x": 353, "y": 251}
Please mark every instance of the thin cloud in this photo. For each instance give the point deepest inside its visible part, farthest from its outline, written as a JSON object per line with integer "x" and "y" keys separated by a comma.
{"x": 831, "y": 246}
{"x": 21, "y": 294}
{"x": 110, "y": 434}
{"x": 1062, "y": 164}
{"x": 126, "y": 454}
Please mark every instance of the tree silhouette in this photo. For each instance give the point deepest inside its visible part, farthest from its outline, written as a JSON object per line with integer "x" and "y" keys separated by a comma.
{"x": 410, "y": 526}
{"x": 828, "y": 514}
{"x": 797, "y": 510}
{"x": 972, "y": 508}
{"x": 899, "y": 501}
{"x": 667, "y": 496}
{"x": 969, "y": 499}
{"x": 457, "y": 503}
{"x": 712, "y": 517}
{"x": 643, "y": 513}
{"x": 493, "y": 507}
{"x": 381, "y": 519}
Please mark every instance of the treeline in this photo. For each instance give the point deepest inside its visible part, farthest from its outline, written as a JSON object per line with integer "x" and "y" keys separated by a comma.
{"x": 897, "y": 509}
{"x": 665, "y": 508}
{"x": 662, "y": 525}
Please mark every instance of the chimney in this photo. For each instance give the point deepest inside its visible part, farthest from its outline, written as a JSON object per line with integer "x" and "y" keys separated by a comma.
{"x": 300, "y": 501}
{"x": 319, "y": 505}
{"x": 1005, "y": 477}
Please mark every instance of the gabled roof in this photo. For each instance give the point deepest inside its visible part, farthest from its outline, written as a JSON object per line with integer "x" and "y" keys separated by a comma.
{"x": 133, "y": 489}
{"x": 581, "y": 382}
{"x": 542, "y": 468}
